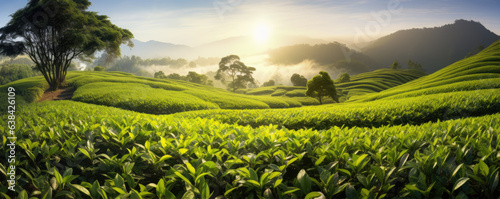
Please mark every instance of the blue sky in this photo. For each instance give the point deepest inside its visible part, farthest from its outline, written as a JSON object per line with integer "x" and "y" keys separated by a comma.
{"x": 195, "y": 22}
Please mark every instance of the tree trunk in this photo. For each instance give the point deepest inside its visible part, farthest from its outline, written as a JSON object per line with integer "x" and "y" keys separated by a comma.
{"x": 319, "y": 97}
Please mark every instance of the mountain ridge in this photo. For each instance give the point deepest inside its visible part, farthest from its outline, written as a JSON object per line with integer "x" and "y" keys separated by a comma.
{"x": 434, "y": 48}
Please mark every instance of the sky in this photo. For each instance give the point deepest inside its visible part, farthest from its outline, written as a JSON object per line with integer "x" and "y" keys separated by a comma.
{"x": 197, "y": 22}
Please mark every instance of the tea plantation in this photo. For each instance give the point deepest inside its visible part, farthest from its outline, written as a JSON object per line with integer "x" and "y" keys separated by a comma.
{"x": 436, "y": 136}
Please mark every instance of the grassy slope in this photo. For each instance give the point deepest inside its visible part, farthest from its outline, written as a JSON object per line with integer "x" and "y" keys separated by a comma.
{"x": 377, "y": 81}
{"x": 150, "y": 95}
{"x": 98, "y": 144}
{"x": 481, "y": 71}
{"x": 370, "y": 82}
{"x": 107, "y": 147}
{"x": 475, "y": 92}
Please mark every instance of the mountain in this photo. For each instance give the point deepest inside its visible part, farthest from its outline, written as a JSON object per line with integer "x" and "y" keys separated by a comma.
{"x": 156, "y": 49}
{"x": 246, "y": 45}
{"x": 434, "y": 48}
{"x": 243, "y": 45}
{"x": 333, "y": 57}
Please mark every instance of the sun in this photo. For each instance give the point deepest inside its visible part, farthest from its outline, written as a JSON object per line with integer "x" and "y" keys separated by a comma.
{"x": 262, "y": 33}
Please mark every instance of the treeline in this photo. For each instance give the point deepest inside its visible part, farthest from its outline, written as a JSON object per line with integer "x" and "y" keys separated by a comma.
{"x": 136, "y": 65}
{"x": 12, "y": 69}
{"x": 13, "y": 72}
{"x": 335, "y": 56}
{"x": 190, "y": 77}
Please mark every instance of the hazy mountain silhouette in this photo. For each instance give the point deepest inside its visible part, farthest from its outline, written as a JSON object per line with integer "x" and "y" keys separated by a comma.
{"x": 334, "y": 57}
{"x": 243, "y": 45}
{"x": 434, "y": 48}
{"x": 246, "y": 45}
{"x": 156, "y": 49}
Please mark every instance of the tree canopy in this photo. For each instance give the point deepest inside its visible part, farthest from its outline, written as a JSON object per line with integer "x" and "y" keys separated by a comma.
{"x": 344, "y": 77}
{"x": 54, "y": 32}
{"x": 99, "y": 68}
{"x": 396, "y": 66}
{"x": 322, "y": 85}
{"x": 298, "y": 80}
{"x": 239, "y": 73}
{"x": 269, "y": 83}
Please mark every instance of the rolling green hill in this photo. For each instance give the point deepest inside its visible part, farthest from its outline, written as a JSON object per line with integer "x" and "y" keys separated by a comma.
{"x": 376, "y": 81}
{"x": 364, "y": 83}
{"x": 148, "y": 95}
{"x": 433, "y": 137}
{"x": 481, "y": 71}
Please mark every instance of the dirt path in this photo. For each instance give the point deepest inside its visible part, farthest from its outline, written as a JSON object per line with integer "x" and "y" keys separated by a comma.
{"x": 61, "y": 94}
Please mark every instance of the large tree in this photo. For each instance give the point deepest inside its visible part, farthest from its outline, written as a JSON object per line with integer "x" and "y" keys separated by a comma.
{"x": 239, "y": 73}
{"x": 54, "y": 32}
{"x": 321, "y": 85}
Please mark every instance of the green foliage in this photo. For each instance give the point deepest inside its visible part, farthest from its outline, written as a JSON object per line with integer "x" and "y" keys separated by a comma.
{"x": 434, "y": 141}
{"x": 396, "y": 66}
{"x": 239, "y": 73}
{"x": 262, "y": 91}
{"x": 72, "y": 31}
{"x": 27, "y": 90}
{"x": 411, "y": 110}
{"x": 110, "y": 152}
{"x": 100, "y": 68}
{"x": 414, "y": 65}
{"x": 13, "y": 72}
{"x": 344, "y": 77}
{"x": 160, "y": 75}
{"x": 321, "y": 85}
{"x": 279, "y": 92}
{"x": 140, "y": 98}
{"x": 199, "y": 78}
{"x": 269, "y": 83}
{"x": 298, "y": 80}
{"x": 175, "y": 76}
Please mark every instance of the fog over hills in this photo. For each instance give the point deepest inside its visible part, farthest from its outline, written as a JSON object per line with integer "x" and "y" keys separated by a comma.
{"x": 433, "y": 48}
{"x": 241, "y": 45}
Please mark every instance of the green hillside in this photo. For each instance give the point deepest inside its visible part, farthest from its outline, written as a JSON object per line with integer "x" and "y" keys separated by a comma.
{"x": 481, "y": 71}
{"x": 148, "y": 95}
{"x": 376, "y": 81}
{"x": 427, "y": 138}
{"x": 364, "y": 83}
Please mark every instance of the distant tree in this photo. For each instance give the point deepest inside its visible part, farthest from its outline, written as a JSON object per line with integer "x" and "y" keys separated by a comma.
{"x": 239, "y": 73}
{"x": 199, "y": 78}
{"x": 160, "y": 75}
{"x": 71, "y": 30}
{"x": 298, "y": 80}
{"x": 414, "y": 65}
{"x": 395, "y": 66}
{"x": 252, "y": 85}
{"x": 175, "y": 76}
{"x": 192, "y": 64}
{"x": 99, "y": 68}
{"x": 344, "y": 77}
{"x": 322, "y": 85}
{"x": 475, "y": 51}
{"x": 269, "y": 83}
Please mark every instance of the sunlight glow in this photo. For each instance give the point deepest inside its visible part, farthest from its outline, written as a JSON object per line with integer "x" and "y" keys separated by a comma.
{"x": 262, "y": 33}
